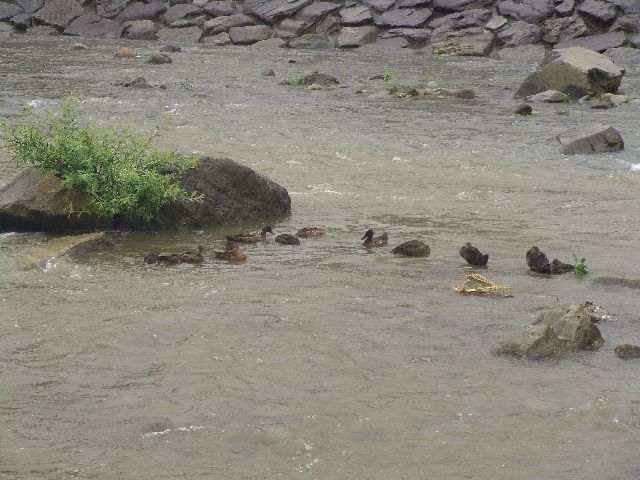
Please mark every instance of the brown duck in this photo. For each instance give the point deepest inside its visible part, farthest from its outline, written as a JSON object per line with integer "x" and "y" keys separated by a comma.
{"x": 287, "y": 239}
{"x": 371, "y": 241}
{"x": 250, "y": 237}
{"x": 472, "y": 255}
{"x": 538, "y": 262}
{"x": 310, "y": 232}
{"x": 174, "y": 258}
{"x": 412, "y": 248}
{"x": 232, "y": 253}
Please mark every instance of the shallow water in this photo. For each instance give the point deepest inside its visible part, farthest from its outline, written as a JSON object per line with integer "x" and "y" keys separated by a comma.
{"x": 325, "y": 360}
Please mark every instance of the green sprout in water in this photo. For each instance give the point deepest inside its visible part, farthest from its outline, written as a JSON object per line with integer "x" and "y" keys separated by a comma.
{"x": 386, "y": 77}
{"x": 297, "y": 81}
{"x": 580, "y": 266}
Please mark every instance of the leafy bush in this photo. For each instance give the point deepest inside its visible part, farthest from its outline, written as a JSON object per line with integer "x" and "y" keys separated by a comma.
{"x": 580, "y": 266}
{"x": 116, "y": 167}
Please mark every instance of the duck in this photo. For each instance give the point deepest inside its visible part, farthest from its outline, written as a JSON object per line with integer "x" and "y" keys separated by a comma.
{"x": 309, "y": 232}
{"x": 287, "y": 239}
{"x": 371, "y": 241}
{"x": 412, "y": 248}
{"x": 472, "y": 255}
{"x": 251, "y": 237}
{"x": 232, "y": 253}
{"x": 174, "y": 258}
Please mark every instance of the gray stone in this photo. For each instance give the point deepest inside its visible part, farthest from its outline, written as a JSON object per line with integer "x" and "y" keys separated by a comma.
{"x": 627, "y": 23}
{"x": 627, "y": 351}
{"x": 474, "y": 42}
{"x": 548, "y": 96}
{"x": 354, "y": 37}
{"x": 404, "y": 18}
{"x": 271, "y": 11}
{"x": 220, "y": 9}
{"x": 379, "y": 5}
{"x": 593, "y": 139}
{"x": 597, "y": 10}
{"x": 415, "y": 36}
{"x": 219, "y": 39}
{"x": 496, "y": 23}
{"x": 8, "y": 10}
{"x": 355, "y": 16}
{"x": 412, "y": 3}
{"x": 42, "y": 31}
{"x": 627, "y": 6}
{"x": 179, "y": 12}
{"x": 141, "y": 30}
{"x": 575, "y": 71}
{"x": 518, "y": 33}
{"x": 635, "y": 41}
{"x": 270, "y": 44}
{"x": 197, "y": 21}
{"x": 22, "y": 21}
{"x": 110, "y": 8}
{"x": 142, "y": 11}
{"x": 598, "y": 43}
{"x": 459, "y": 5}
{"x": 531, "y": 11}
{"x": 223, "y": 24}
{"x": 533, "y": 54}
{"x": 159, "y": 58}
{"x": 30, "y": 6}
{"x": 310, "y": 41}
{"x": 180, "y": 35}
{"x": 624, "y": 56}
{"x": 249, "y": 35}
{"x": 477, "y": 17}
{"x": 93, "y": 26}
{"x": 57, "y": 247}
{"x": 59, "y": 13}
{"x": 289, "y": 28}
{"x": 566, "y": 8}
{"x": 329, "y": 28}
{"x": 563, "y": 28}
{"x": 312, "y": 14}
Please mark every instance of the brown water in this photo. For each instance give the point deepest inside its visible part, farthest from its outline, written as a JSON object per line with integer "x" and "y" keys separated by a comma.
{"x": 326, "y": 361}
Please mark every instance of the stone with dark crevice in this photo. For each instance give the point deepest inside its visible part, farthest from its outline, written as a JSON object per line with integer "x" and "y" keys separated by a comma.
{"x": 532, "y": 11}
{"x": 270, "y": 11}
{"x": 142, "y": 11}
{"x": 564, "y": 28}
{"x": 59, "y": 13}
{"x": 220, "y": 8}
{"x": 94, "y": 26}
{"x": 110, "y": 8}
{"x": 627, "y": 23}
{"x": 477, "y": 17}
{"x": 356, "y": 16}
{"x": 565, "y": 8}
{"x": 591, "y": 139}
{"x": 597, "y": 43}
{"x": 223, "y": 24}
{"x": 312, "y": 14}
{"x": 404, "y": 18}
{"x": 599, "y": 11}
{"x": 179, "y": 12}
{"x": 518, "y": 33}
{"x": 538, "y": 262}
{"x": 379, "y": 5}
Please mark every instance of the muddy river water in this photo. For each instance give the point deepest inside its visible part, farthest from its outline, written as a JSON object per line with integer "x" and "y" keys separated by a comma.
{"x": 326, "y": 361}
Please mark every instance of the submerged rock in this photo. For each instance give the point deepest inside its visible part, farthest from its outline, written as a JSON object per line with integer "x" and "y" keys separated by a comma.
{"x": 61, "y": 246}
{"x": 627, "y": 352}
{"x": 412, "y": 248}
{"x": 159, "y": 58}
{"x": 618, "y": 282}
{"x": 555, "y": 334}
{"x": 35, "y": 201}
{"x": 593, "y": 139}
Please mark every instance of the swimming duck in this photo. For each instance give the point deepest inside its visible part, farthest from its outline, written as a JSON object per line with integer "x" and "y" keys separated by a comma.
{"x": 538, "y": 262}
{"x": 309, "y": 232}
{"x": 472, "y": 255}
{"x": 183, "y": 257}
{"x": 250, "y": 237}
{"x": 287, "y": 239}
{"x": 232, "y": 253}
{"x": 371, "y": 241}
{"x": 412, "y": 248}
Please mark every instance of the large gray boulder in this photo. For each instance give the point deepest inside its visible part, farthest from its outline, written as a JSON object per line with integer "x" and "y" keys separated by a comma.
{"x": 592, "y": 139}
{"x": 93, "y": 26}
{"x": 233, "y": 193}
{"x": 598, "y": 11}
{"x": 556, "y": 333}
{"x": 59, "y": 13}
{"x": 575, "y": 71}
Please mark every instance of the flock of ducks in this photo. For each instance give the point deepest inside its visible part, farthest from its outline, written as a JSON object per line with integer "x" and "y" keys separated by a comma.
{"x": 234, "y": 253}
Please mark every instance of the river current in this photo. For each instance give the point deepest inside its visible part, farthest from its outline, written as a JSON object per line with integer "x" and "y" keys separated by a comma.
{"x": 326, "y": 360}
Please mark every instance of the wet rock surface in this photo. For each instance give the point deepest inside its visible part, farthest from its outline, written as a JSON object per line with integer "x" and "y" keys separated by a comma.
{"x": 627, "y": 351}
{"x": 57, "y": 247}
{"x": 594, "y": 139}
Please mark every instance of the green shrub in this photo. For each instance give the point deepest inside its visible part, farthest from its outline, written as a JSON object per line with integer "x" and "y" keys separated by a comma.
{"x": 116, "y": 167}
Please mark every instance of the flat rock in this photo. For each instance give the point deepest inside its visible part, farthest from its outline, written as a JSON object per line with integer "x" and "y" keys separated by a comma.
{"x": 22, "y": 21}
{"x": 219, "y": 39}
{"x": 415, "y": 36}
{"x": 355, "y": 16}
{"x": 179, "y": 12}
{"x": 404, "y": 18}
{"x": 627, "y": 6}
{"x": 223, "y": 24}
{"x": 354, "y": 37}
{"x": 627, "y": 351}
{"x": 142, "y": 11}
{"x": 30, "y": 6}
{"x": 71, "y": 245}
{"x": 459, "y": 5}
{"x": 624, "y": 56}
{"x": 412, "y": 3}
{"x": 310, "y": 41}
{"x": 548, "y": 96}
{"x": 597, "y": 43}
{"x": 476, "y": 42}
{"x": 59, "y": 13}
{"x": 496, "y": 23}
{"x": 312, "y": 14}
{"x": 575, "y": 71}
{"x": 627, "y": 23}
{"x": 249, "y": 35}
{"x": 141, "y": 30}
{"x": 93, "y": 26}
{"x": 531, "y": 11}
{"x": 477, "y": 17}
{"x": 565, "y": 7}
{"x": 289, "y": 28}
{"x": 270, "y": 11}
{"x": 533, "y": 54}
{"x": 598, "y": 11}
{"x": 518, "y": 33}
{"x": 220, "y": 9}
{"x": 42, "y": 30}
{"x": 618, "y": 282}
{"x": 379, "y": 5}
{"x": 159, "y": 58}
{"x": 8, "y": 10}
{"x": 110, "y": 8}
{"x": 564, "y": 28}
{"x": 593, "y": 139}
{"x": 179, "y": 35}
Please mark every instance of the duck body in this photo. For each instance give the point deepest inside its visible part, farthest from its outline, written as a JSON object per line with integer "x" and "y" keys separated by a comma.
{"x": 538, "y": 262}
{"x": 287, "y": 239}
{"x": 175, "y": 258}
{"x": 232, "y": 253}
{"x": 371, "y": 241}
{"x": 310, "y": 232}
{"x": 473, "y": 256}
{"x": 249, "y": 238}
{"x": 412, "y": 248}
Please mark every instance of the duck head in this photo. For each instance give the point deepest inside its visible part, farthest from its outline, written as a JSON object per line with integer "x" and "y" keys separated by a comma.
{"x": 267, "y": 229}
{"x": 368, "y": 235}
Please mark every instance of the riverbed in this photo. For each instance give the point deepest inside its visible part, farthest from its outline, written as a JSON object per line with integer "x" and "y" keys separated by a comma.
{"x": 326, "y": 360}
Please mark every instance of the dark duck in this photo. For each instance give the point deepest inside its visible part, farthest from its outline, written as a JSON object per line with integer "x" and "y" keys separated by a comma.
{"x": 472, "y": 255}
{"x": 287, "y": 239}
{"x": 311, "y": 232}
{"x": 251, "y": 237}
{"x": 371, "y": 241}
{"x": 232, "y": 253}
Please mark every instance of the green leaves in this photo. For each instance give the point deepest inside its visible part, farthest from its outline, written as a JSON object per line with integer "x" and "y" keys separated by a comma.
{"x": 115, "y": 167}
{"x": 580, "y": 266}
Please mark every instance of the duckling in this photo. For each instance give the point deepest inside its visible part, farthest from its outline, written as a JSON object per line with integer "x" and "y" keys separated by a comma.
{"x": 309, "y": 232}
{"x": 472, "y": 255}
{"x": 174, "y": 258}
{"x": 232, "y": 253}
{"x": 250, "y": 237}
{"x": 412, "y": 248}
{"x": 371, "y": 241}
{"x": 287, "y": 239}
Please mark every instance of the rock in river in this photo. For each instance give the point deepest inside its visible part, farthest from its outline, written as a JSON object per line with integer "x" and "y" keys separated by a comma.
{"x": 593, "y": 139}
{"x": 60, "y": 246}
{"x": 34, "y": 201}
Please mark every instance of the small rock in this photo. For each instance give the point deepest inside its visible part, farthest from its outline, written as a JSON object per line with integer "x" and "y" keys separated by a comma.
{"x": 523, "y": 109}
{"x": 138, "y": 82}
{"x": 463, "y": 93}
{"x": 219, "y": 39}
{"x": 78, "y": 46}
{"x": 594, "y": 139}
{"x": 320, "y": 79}
{"x": 401, "y": 91}
{"x": 159, "y": 58}
{"x": 496, "y": 23}
{"x": 618, "y": 282}
{"x": 268, "y": 73}
{"x": 627, "y": 352}
{"x": 124, "y": 52}
{"x": 170, "y": 48}
{"x": 548, "y": 96}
